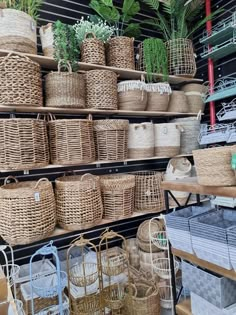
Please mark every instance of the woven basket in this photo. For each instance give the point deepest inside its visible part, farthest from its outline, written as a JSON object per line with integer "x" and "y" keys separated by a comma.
{"x": 79, "y": 201}
{"x": 132, "y": 95}
{"x": 111, "y": 139}
{"x": 17, "y": 31}
{"x": 101, "y": 89}
{"x": 178, "y": 102}
{"x": 118, "y": 195}
{"x": 65, "y": 89}
{"x": 20, "y": 81}
{"x": 158, "y": 96}
{"x": 120, "y": 52}
{"x": 93, "y": 50}
{"x": 132, "y": 248}
{"x": 194, "y": 93}
{"x": 24, "y": 143}
{"x": 213, "y": 166}
{"x": 89, "y": 304}
{"x": 28, "y": 211}
{"x": 141, "y": 140}
{"x": 71, "y": 141}
{"x": 46, "y": 36}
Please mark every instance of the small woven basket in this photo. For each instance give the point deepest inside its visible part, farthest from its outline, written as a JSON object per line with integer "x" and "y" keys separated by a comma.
{"x": 158, "y": 96}
{"x": 178, "y": 102}
{"x": 194, "y": 93}
{"x": 89, "y": 304}
{"x": 114, "y": 297}
{"x": 111, "y": 139}
{"x": 132, "y": 95}
{"x": 46, "y": 36}
{"x": 83, "y": 274}
{"x": 114, "y": 261}
{"x": 93, "y": 50}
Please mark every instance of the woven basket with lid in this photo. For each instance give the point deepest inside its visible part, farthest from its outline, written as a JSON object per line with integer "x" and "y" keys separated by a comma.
{"x": 132, "y": 95}
{"x": 158, "y": 96}
{"x": 93, "y": 50}
{"x": 46, "y": 36}
{"x": 178, "y": 102}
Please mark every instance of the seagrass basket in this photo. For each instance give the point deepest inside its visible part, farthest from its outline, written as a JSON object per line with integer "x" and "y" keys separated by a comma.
{"x": 89, "y": 304}
{"x": 158, "y": 96}
{"x": 114, "y": 261}
{"x": 93, "y": 50}
{"x": 20, "y": 81}
{"x": 114, "y": 297}
{"x": 178, "y": 102}
{"x": 111, "y": 139}
{"x": 194, "y": 93}
{"x": 28, "y": 211}
{"x": 79, "y": 201}
{"x": 46, "y": 36}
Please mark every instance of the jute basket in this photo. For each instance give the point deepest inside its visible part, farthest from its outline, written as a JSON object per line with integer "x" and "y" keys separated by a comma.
{"x": 101, "y": 89}
{"x": 17, "y": 31}
{"x": 24, "y": 143}
{"x": 194, "y": 93}
{"x": 132, "y": 95}
{"x": 111, "y": 139}
{"x": 158, "y": 96}
{"x": 46, "y": 36}
{"x": 178, "y": 102}
{"x": 120, "y": 52}
{"x": 79, "y": 201}
{"x": 71, "y": 141}
{"x": 28, "y": 211}
{"x": 118, "y": 195}
{"x": 141, "y": 140}
{"x": 213, "y": 166}
{"x": 20, "y": 81}
{"x": 93, "y": 50}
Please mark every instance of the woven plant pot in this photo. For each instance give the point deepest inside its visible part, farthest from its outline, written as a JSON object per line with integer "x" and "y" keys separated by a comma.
{"x": 46, "y": 36}
{"x": 27, "y": 211}
{"x": 158, "y": 96}
{"x": 132, "y": 95}
{"x": 20, "y": 81}
{"x": 213, "y": 166}
{"x": 118, "y": 195}
{"x": 120, "y": 52}
{"x": 101, "y": 89}
{"x": 178, "y": 102}
{"x": 17, "y": 31}
{"x": 111, "y": 139}
{"x": 93, "y": 50}
{"x": 79, "y": 201}
{"x": 181, "y": 60}
{"x": 194, "y": 93}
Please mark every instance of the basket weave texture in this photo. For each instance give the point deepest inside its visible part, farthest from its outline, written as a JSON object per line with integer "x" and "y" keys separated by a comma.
{"x": 158, "y": 96}
{"x": 194, "y": 93}
{"x": 46, "y": 36}
{"x": 132, "y": 95}
{"x": 93, "y": 50}
{"x": 89, "y": 304}
{"x": 178, "y": 102}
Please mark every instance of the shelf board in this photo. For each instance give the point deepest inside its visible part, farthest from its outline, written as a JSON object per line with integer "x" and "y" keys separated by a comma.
{"x": 219, "y": 95}
{"x": 184, "y": 307}
{"x": 220, "y": 52}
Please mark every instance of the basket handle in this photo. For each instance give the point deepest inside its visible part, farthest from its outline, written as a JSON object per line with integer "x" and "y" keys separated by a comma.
{"x": 90, "y": 117}
{"x": 51, "y": 117}
{"x": 90, "y": 33}
{"x": 199, "y": 114}
{"x": 148, "y": 292}
{"x": 44, "y": 179}
{"x": 66, "y": 66}
{"x": 39, "y": 117}
{"x": 90, "y": 177}
{"x": 16, "y": 54}
{"x": 10, "y": 177}
{"x": 165, "y": 130}
{"x": 134, "y": 288}
{"x": 180, "y": 128}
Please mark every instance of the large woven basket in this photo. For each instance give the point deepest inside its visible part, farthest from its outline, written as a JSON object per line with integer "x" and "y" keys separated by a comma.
{"x": 132, "y": 95}
{"x": 111, "y": 139}
{"x": 93, "y": 50}
{"x": 118, "y": 195}
{"x": 24, "y": 143}
{"x": 101, "y": 89}
{"x": 79, "y": 201}
{"x": 178, "y": 102}
{"x": 71, "y": 141}
{"x": 46, "y": 36}
{"x": 158, "y": 96}
{"x": 20, "y": 81}
{"x": 213, "y": 166}
{"x": 194, "y": 93}
{"x": 27, "y": 211}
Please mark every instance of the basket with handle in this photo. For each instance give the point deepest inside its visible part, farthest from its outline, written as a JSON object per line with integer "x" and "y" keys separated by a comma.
{"x": 47, "y": 40}
{"x": 178, "y": 102}
{"x": 93, "y": 50}
{"x": 158, "y": 96}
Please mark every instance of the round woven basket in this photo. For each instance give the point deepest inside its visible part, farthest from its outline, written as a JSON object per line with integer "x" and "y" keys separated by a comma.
{"x": 20, "y": 81}
{"x": 213, "y": 166}
{"x": 194, "y": 93}
{"x": 71, "y": 141}
{"x": 132, "y": 95}
{"x": 101, "y": 89}
{"x": 93, "y": 50}
{"x": 158, "y": 96}
{"x": 141, "y": 140}
{"x": 118, "y": 195}
{"x": 17, "y": 31}
{"x": 178, "y": 102}
{"x": 111, "y": 139}
{"x": 27, "y": 211}
{"x": 46, "y": 36}
{"x": 79, "y": 201}
{"x": 120, "y": 52}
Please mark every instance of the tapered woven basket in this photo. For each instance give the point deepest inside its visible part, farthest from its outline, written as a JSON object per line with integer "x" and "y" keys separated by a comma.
{"x": 158, "y": 96}
{"x": 46, "y": 36}
{"x": 178, "y": 102}
{"x": 132, "y": 95}
{"x": 194, "y": 93}
{"x": 93, "y": 50}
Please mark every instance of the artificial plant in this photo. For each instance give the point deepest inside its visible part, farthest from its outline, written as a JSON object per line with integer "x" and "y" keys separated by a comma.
{"x": 30, "y": 7}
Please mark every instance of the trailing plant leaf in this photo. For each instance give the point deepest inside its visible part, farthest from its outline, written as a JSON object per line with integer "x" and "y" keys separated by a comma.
{"x": 132, "y": 30}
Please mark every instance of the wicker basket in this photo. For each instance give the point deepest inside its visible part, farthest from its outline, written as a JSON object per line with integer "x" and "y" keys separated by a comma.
{"x": 89, "y": 304}
{"x": 213, "y": 166}
{"x": 46, "y": 36}
{"x": 111, "y": 139}
{"x": 93, "y": 50}
{"x": 71, "y": 141}
{"x": 113, "y": 261}
{"x": 28, "y": 211}
{"x": 194, "y": 93}
{"x": 132, "y": 95}
{"x": 79, "y": 201}
{"x": 118, "y": 195}
{"x": 120, "y": 52}
{"x": 178, "y": 102}
{"x": 24, "y": 143}
{"x": 132, "y": 249}
{"x": 114, "y": 297}
{"x": 158, "y": 96}
{"x": 17, "y": 31}
{"x": 101, "y": 89}
{"x": 20, "y": 81}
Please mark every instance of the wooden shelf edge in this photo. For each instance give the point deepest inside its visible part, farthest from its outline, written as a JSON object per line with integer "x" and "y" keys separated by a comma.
{"x": 184, "y": 307}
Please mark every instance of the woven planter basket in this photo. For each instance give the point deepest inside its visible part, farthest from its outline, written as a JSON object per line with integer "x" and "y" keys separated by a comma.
{"x": 101, "y": 89}
{"x": 111, "y": 139}
{"x": 194, "y": 93}
{"x": 213, "y": 166}
{"x": 46, "y": 36}
{"x": 120, "y": 52}
{"x": 158, "y": 96}
{"x": 71, "y": 141}
{"x": 93, "y": 50}
{"x": 141, "y": 140}
{"x": 17, "y": 31}
{"x": 20, "y": 81}
{"x": 79, "y": 201}
{"x": 27, "y": 211}
{"x": 24, "y": 143}
{"x": 118, "y": 195}
{"x": 132, "y": 95}
{"x": 178, "y": 102}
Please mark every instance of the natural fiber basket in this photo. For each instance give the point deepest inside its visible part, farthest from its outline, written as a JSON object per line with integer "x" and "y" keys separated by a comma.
{"x": 101, "y": 89}
{"x": 114, "y": 261}
{"x": 213, "y": 166}
{"x": 178, "y": 102}
{"x": 93, "y": 50}
{"x": 79, "y": 201}
{"x": 114, "y": 297}
{"x": 71, "y": 141}
{"x": 20, "y": 81}
{"x": 28, "y": 211}
{"x": 194, "y": 93}
{"x": 132, "y": 249}
{"x": 89, "y": 304}
{"x": 118, "y": 195}
{"x": 132, "y": 95}
{"x": 158, "y": 96}
{"x": 83, "y": 274}
{"x": 111, "y": 139}
{"x": 46, "y": 36}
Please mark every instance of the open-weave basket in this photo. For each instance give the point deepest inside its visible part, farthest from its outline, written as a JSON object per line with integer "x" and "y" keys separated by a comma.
{"x": 194, "y": 93}
{"x": 93, "y": 50}
{"x": 114, "y": 261}
{"x": 114, "y": 297}
{"x": 101, "y": 89}
{"x": 83, "y": 274}
{"x": 28, "y": 211}
{"x": 89, "y": 304}
{"x": 79, "y": 201}
{"x": 20, "y": 81}
{"x": 46, "y": 36}
{"x": 111, "y": 139}
{"x": 132, "y": 95}
{"x": 178, "y": 102}
{"x": 118, "y": 195}
{"x": 158, "y": 96}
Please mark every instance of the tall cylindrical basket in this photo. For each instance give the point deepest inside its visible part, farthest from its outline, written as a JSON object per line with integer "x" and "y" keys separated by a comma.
{"x": 93, "y": 50}
{"x": 178, "y": 102}
{"x": 47, "y": 40}
{"x": 158, "y": 96}
{"x": 132, "y": 95}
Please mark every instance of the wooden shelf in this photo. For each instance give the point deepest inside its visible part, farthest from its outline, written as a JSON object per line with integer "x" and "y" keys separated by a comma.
{"x": 184, "y": 307}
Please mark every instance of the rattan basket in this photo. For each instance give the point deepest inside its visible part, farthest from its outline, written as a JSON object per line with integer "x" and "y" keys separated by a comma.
{"x": 111, "y": 139}
{"x": 114, "y": 261}
{"x": 194, "y": 93}
{"x": 89, "y": 304}
{"x": 178, "y": 102}
{"x": 158, "y": 96}
{"x": 46, "y": 36}
{"x": 114, "y": 297}
{"x": 79, "y": 201}
{"x": 132, "y": 95}
{"x": 93, "y": 50}
{"x": 83, "y": 274}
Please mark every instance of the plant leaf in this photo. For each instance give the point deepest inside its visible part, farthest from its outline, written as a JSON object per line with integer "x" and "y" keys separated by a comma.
{"x": 108, "y": 3}
{"x": 110, "y": 14}
{"x": 130, "y": 9}
{"x": 154, "y": 4}
{"x": 132, "y": 30}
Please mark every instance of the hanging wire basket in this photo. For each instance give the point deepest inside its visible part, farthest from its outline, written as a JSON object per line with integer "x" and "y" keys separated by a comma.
{"x": 162, "y": 267}
{"x": 160, "y": 240}
{"x": 165, "y": 296}
{"x": 114, "y": 261}
{"x": 83, "y": 274}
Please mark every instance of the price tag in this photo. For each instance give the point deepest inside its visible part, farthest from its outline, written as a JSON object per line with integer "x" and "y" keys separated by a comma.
{"x": 32, "y": 26}
{"x": 37, "y": 196}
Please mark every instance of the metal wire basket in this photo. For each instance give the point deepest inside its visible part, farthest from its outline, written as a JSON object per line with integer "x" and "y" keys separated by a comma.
{"x": 214, "y": 134}
{"x": 228, "y": 111}
{"x": 160, "y": 240}
{"x": 162, "y": 267}
{"x": 83, "y": 274}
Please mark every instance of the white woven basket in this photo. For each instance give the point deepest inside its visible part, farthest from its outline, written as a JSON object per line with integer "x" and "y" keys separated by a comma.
{"x": 46, "y": 36}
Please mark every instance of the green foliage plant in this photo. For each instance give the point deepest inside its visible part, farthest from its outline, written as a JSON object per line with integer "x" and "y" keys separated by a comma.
{"x": 30, "y": 7}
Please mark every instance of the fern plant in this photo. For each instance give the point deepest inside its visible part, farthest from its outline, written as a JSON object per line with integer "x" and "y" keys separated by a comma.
{"x": 30, "y": 7}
